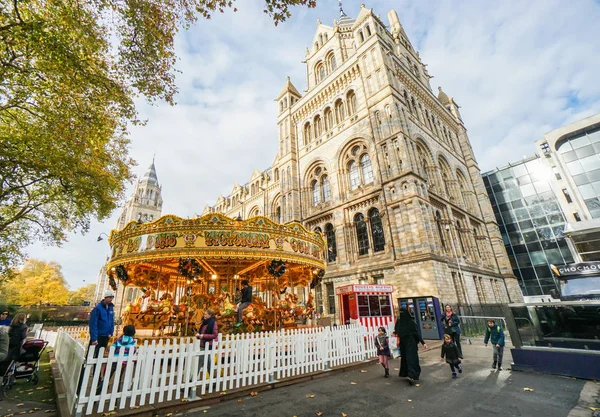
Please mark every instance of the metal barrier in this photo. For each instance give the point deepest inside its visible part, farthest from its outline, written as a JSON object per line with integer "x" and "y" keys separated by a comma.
{"x": 475, "y": 326}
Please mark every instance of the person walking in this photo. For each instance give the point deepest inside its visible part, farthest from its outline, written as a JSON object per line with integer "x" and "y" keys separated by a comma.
{"x": 209, "y": 332}
{"x": 496, "y": 334}
{"x": 383, "y": 349}
{"x": 452, "y": 327}
{"x": 451, "y": 354}
{"x": 17, "y": 333}
{"x": 102, "y": 322}
{"x": 406, "y": 329}
{"x": 245, "y": 301}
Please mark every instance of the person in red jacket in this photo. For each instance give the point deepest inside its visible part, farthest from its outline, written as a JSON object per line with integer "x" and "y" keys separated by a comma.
{"x": 209, "y": 332}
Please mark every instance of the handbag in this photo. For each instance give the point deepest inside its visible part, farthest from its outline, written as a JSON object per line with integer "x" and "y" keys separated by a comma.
{"x": 394, "y": 346}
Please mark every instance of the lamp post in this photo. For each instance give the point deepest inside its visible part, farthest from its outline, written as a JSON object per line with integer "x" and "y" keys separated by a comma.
{"x": 461, "y": 276}
{"x": 100, "y": 237}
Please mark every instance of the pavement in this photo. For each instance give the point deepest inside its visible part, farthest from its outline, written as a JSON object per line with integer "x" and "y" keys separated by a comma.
{"x": 478, "y": 392}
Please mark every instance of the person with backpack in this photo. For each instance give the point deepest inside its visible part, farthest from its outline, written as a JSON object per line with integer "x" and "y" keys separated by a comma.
{"x": 495, "y": 333}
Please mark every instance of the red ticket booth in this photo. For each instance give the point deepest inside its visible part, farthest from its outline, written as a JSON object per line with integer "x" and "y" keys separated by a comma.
{"x": 372, "y": 305}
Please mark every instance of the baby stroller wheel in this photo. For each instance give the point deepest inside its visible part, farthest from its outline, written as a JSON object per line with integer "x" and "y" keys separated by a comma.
{"x": 8, "y": 382}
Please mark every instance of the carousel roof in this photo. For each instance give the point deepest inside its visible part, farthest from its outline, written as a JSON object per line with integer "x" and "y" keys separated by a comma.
{"x": 221, "y": 245}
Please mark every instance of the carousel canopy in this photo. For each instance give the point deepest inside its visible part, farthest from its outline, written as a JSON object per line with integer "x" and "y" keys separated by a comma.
{"x": 219, "y": 245}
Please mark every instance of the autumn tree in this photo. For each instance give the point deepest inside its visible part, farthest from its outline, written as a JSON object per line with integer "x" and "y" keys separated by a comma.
{"x": 69, "y": 73}
{"x": 82, "y": 294}
{"x": 38, "y": 282}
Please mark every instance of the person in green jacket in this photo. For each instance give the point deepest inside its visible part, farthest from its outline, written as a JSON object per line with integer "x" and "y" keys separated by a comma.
{"x": 496, "y": 334}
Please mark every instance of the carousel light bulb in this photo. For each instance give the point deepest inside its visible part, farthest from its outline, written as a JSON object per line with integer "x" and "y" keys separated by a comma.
{"x": 236, "y": 276}
{"x": 214, "y": 276}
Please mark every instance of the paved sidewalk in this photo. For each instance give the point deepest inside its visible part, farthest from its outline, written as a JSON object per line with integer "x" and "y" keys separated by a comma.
{"x": 478, "y": 392}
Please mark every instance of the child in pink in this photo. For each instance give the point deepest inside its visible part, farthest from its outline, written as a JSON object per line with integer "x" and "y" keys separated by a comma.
{"x": 383, "y": 349}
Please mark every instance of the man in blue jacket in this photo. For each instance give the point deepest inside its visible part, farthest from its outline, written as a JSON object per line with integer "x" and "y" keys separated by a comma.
{"x": 496, "y": 334}
{"x": 102, "y": 322}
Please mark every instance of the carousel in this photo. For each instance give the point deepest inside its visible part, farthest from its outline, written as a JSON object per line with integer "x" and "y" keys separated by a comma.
{"x": 185, "y": 266}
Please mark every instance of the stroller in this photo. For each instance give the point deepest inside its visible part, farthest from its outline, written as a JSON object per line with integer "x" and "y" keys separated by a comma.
{"x": 27, "y": 365}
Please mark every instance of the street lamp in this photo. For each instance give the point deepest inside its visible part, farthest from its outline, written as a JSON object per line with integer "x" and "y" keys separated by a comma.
{"x": 100, "y": 237}
{"x": 461, "y": 276}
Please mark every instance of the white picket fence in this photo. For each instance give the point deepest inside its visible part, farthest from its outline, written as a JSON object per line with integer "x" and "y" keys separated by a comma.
{"x": 171, "y": 369}
{"x": 70, "y": 358}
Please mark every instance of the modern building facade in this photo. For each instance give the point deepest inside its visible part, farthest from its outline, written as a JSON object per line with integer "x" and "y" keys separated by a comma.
{"x": 144, "y": 205}
{"x": 573, "y": 153}
{"x": 380, "y": 165}
{"x": 548, "y": 206}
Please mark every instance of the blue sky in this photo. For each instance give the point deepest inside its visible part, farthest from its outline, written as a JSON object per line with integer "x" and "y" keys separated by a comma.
{"x": 517, "y": 69}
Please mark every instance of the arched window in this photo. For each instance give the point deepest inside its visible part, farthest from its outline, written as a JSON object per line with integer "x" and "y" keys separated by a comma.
{"x": 328, "y": 116}
{"x": 362, "y": 235}
{"x": 354, "y": 175}
{"x": 331, "y": 243}
{"x": 325, "y": 188}
{"x": 351, "y": 99}
{"x": 445, "y": 180}
{"x": 276, "y": 175}
{"x": 361, "y": 38}
{"x": 307, "y": 133}
{"x": 376, "y": 230}
{"x": 460, "y": 238}
{"x": 332, "y": 62}
{"x": 340, "y": 113}
{"x": 316, "y": 192}
{"x": 366, "y": 168}
{"x": 278, "y": 215}
{"x": 476, "y": 241}
{"x": 368, "y": 29}
{"x": 318, "y": 126}
{"x": 438, "y": 218}
{"x": 319, "y": 72}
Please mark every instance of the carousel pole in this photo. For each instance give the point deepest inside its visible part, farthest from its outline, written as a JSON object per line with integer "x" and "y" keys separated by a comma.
{"x": 121, "y": 311}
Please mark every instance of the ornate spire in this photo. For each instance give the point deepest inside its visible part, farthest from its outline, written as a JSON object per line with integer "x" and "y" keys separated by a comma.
{"x": 342, "y": 14}
{"x": 150, "y": 175}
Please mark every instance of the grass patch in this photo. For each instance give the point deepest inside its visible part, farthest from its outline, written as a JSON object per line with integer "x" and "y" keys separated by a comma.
{"x": 42, "y": 392}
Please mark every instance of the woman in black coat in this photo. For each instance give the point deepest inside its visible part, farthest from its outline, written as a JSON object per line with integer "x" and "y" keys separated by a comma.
{"x": 406, "y": 329}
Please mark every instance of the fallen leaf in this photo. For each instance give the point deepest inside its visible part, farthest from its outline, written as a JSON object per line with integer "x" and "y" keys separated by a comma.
{"x": 36, "y": 409}
{"x": 8, "y": 415}
{"x": 344, "y": 415}
{"x": 20, "y": 404}
{"x": 239, "y": 401}
{"x": 39, "y": 388}
{"x": 528, "y": 389}
{"x": 184, "y": 400}
{"x": 223, "y": 392}
{"x": 364, "y": 371}
{"x": 417, "y": 385}
{"x": 31, "y": 411}
{"x": 396, "y": 369}
{"x": 206, "y": 411}
{"x": 135, "y": 407}
{"x": 410, "y": 401}
{"x": 22, "y": 412}
{"x": 319, "y": 413}
{"x": 169, "y": 414}
{"x": 253, "y": 393}
{"x": 29, "y": 390}
{"x": 594, "y": 408}
{"x": 310, "y": 396}
{"x": 112, "y": 413}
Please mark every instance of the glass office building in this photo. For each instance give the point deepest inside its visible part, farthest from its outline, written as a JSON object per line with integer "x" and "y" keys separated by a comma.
{"x": 531, "y": 221}
{"x": 580, "y": 154}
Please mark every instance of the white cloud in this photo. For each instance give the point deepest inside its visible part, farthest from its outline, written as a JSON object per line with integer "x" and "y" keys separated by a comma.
{"x": 518, "y": 69}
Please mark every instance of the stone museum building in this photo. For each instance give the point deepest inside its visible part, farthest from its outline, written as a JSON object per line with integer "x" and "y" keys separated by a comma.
{"x": 382, "y": 166}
